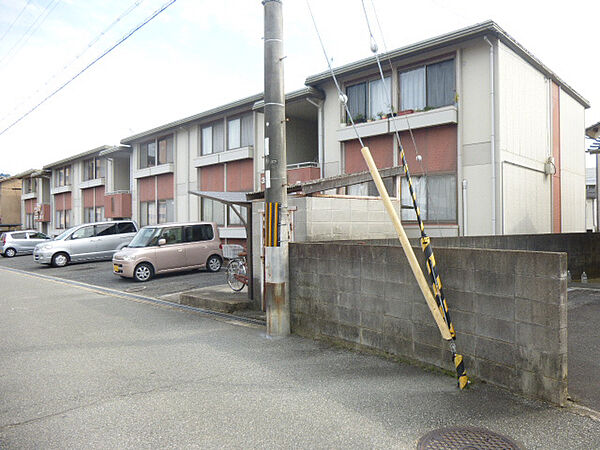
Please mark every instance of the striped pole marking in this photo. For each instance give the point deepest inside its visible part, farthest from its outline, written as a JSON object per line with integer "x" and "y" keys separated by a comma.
{"x": 272, "y": 225}
{"x": 436, "y": 282}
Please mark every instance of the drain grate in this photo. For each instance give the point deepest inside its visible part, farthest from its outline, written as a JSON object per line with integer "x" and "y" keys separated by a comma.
{"x": 465, "y": 438}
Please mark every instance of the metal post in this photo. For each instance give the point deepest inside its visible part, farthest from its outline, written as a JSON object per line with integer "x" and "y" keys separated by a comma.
{"x": 276, "y": 245}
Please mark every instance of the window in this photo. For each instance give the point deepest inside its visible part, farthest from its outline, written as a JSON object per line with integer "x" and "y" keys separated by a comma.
{"x": 99, "y": 168}
{"x": 166, "y": 211}
{"x": 427, "y": 87}
{"x": 62, "y": 219}
{"x": 156, "y": 152}
{"x": 369, "y": 99}
{"x": 83, "y": 232}
{"x": 62, "y": 176}
{"x": 37, "y": 235}
{"x": 165, "y": 150}
{"x": 99, "y": 213}
{"x": 88, "y": 215}
{"x": 148, "y": 213}
{"x": 29, "y": 220}
{"x": 212, "y": 138}
{"x": 233, "y": 218}
{"x": 19, "y": 236}
{"x": 88, "y": 169}
{"x": 106, "y": 229}
{"x": 196, "y": 233}
{"x": 240, "y": 132}
{"x": 126, "y": 227}
{"x": 173, "y": 235}
{"x": 368, "y": 188}
{"x": 436, "y": 197}
{"x": 213, "y": 211}
{"x": 29, "y": 185}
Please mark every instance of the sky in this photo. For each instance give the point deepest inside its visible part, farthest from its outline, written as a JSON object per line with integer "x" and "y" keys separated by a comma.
{"x": 199, "y": 54}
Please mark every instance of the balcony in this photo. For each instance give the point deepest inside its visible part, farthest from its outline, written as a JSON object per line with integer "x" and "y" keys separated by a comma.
{"x": 28, "y": 195}
{"x": 42, "y": 213}
{"x": 92, "y": 182}
{"x": 306, "y": 171}
{"x": 117, "y": 204}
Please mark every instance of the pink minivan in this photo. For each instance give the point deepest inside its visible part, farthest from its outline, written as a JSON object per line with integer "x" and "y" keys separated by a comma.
{"x": 170, "y": 247}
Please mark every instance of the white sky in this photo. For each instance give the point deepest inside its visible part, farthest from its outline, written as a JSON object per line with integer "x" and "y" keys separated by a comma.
{"x": 200, "y": 54}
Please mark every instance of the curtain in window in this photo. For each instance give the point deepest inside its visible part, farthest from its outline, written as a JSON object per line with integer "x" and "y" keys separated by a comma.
{"x": 379, "y": 97}
{"x": 207, "y": 140}
{"x": 247, "y": 130}
{"x": 440, "y": 84}
{"x": 152, "y": 213}
{"x": 412, "y": 89}
{"x": 357, "y": 100}
{"x": 218, "y": 137}
{"x": 233, "y": 133}
{"x": 420, "y": 186}
{"x": 162, "y": 151}
{"x": 151, "y": 153}
{"x": 441, "y": 197}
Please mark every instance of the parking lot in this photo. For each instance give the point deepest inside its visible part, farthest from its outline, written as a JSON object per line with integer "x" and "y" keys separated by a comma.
{"x": 99, "y": 273}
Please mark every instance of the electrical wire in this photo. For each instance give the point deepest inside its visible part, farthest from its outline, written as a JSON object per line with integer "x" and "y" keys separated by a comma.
{"x": 106, "y": 52}
{"x": 130, "y": 9}
{"x": 31, "y": 30}
{"x": 342, "y": 96}
{"x": 15, "y": 20}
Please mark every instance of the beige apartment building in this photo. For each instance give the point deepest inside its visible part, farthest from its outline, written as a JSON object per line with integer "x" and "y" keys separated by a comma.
{"x": 10, "y": 200}
{"x": 494, "y": 140}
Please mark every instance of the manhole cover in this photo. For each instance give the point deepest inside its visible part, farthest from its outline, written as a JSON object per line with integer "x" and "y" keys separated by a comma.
{"x": 465, "y": 438}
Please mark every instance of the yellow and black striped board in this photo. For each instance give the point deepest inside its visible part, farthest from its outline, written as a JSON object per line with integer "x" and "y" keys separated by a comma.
{"x": 272, "y": 229}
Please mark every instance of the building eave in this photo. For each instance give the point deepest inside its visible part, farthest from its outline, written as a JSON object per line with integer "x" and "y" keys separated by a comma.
{"x": 94, "y": 152}
{"x": 248, "y": 101}
{"x": 300, "y": 94}
{"x": 478, "y": 30}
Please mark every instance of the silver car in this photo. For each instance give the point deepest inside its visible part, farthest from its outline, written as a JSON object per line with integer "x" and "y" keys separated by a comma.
{"x": 20, "y": 242}
{"x": 86, "y": 242}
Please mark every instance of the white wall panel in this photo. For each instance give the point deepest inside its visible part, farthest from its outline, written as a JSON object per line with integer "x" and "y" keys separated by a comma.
{"x": 527, "y": 200}
{"x": 572, "y": 161}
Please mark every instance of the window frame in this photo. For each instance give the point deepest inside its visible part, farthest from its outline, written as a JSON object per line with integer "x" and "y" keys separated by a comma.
{"x": 425, "y": 65}
{"x": 369, "y": 115}
{"x": 212, "y": 125}
{"x": 426, "y": 209}
{"x": 144, "y": 155}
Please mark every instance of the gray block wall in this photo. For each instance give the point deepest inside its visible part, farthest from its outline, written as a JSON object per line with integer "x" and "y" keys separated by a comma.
{"x": 508, "y": 308}
{"x": 583, "y": 249}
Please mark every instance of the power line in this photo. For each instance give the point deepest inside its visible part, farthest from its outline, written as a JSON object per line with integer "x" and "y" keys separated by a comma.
{"x": 37, "y": 23}
{"x": 106, "y": 52}
{"x": 15, "y": 21}
{"x": 131, "y": 8}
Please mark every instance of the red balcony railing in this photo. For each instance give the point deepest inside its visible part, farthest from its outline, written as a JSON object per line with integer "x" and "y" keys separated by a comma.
{"x": 117, "y": 204}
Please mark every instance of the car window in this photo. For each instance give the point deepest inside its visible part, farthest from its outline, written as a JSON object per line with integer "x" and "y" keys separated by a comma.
{"x": 173, "y": 235}
{"x": 37, "y": 235}
{"x": 194, "y": 233}
{"x": 126, "y": 227}
{"x": 18, "y": 236}
{"x": 106, "y": 229}
{"x": 84, "y": 232}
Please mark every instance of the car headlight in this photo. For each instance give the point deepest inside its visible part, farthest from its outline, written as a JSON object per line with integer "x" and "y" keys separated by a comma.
{"x": 127, "y": 258}
{"x": 44, "y": 246}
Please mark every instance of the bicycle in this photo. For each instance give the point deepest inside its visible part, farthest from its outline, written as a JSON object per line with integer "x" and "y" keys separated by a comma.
{"x": 237, "y": 272}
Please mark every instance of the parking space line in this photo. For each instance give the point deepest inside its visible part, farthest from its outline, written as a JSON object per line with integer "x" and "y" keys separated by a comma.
{"x": 138, "y": 298}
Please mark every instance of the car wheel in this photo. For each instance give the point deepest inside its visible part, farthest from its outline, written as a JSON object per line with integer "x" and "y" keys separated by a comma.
{"x": 60, "y": 260}
{"x": 10, "y": 252}
{"x": 143, "y": 272}
{"x": 214, "y": 263}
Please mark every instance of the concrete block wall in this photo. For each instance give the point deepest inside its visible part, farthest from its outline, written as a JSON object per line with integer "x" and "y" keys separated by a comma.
{"x": 511, "y": 321}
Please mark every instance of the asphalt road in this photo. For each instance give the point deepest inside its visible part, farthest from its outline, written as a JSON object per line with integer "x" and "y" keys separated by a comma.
{"x": 82, "y": 369}
{"x": 100, "y": 274}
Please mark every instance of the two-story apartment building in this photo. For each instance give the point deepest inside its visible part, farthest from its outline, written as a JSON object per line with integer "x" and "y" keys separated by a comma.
{"x": 35, "y": 210}
{"x": 494, "y": 139}
{"x": 10, "y": 200}
{"x": 219, "y": 150}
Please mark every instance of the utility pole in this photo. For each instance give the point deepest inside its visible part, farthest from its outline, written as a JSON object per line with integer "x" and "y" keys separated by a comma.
{"x": 276, "y": 211}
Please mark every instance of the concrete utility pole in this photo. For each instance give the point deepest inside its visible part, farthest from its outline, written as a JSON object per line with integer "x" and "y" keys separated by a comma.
{"x": 276, "y": 213}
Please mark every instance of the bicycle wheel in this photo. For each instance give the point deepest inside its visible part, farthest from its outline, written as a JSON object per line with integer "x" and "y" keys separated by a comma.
{"x": 236, "y": 267}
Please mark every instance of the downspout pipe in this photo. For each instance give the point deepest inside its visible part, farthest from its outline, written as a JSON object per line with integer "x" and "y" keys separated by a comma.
{"x": 319, "y": 105}
{"x": 492, "y": 133}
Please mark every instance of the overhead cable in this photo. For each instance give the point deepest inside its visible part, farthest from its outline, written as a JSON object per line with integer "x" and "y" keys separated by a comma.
{"x": 106, "y": 52}
{"x": 15, "y": 20}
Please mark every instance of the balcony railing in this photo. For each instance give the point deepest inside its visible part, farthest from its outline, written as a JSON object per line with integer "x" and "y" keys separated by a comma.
{"x": 304, "y": 171}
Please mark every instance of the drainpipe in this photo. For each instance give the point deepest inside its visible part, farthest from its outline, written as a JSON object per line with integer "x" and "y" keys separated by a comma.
{"x": 459, "y": 145}
{"x": 464, "y": 207}
{"x": 493, "y": 134}
{"x": 319, "y": 106}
